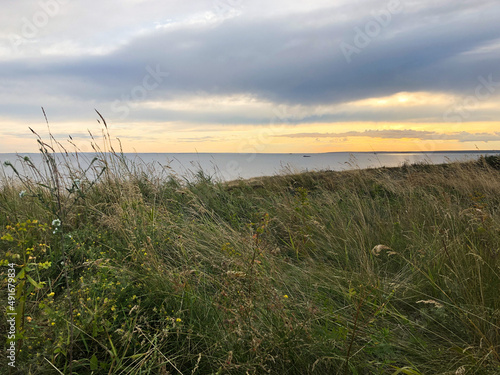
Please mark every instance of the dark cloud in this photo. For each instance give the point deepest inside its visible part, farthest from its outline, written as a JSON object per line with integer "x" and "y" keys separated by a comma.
{"x": 286, "y": 59}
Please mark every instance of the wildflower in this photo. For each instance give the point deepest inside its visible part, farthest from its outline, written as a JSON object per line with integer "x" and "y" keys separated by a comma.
{"x": 53, "y": 323}
{"x": 56, "y": 223}
{"x": 7, "y": 237}
{"x": 285, "y": 296}
{"x": 22, "y": 193}
{"x": 178, "y": 320}
{"x": 29, "y": 318}
{"x": 44, "y": 265}
{"x": 51, "y": 294}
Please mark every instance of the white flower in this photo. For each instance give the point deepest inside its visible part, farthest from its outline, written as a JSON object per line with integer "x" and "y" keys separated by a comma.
{"x": 22, "y": 193}
{"x": 56, "y": 223}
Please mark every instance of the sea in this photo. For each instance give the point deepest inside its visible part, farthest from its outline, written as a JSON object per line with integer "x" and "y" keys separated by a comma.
{"x": 233, "y": 166}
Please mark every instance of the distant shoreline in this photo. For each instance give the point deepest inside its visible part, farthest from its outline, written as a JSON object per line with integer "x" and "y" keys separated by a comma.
{"x": 282, "y": 153}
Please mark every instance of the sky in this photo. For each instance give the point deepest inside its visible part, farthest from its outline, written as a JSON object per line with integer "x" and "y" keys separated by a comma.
{"x": 252, "y": 76}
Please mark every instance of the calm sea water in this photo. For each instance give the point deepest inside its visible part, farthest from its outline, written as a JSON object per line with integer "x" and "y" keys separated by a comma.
{"x": 225, "y": 166}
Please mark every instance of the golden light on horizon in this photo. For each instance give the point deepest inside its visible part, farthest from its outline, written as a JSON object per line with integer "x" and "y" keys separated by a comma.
{"x": 279, "y": 138}
{"x": 286, "y": 129}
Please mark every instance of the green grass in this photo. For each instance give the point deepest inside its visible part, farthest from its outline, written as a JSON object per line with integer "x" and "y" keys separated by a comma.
{"x": 278, "y": 275}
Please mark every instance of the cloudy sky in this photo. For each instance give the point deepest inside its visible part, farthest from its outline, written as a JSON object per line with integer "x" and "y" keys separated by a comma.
{"x": 253, "y": 76}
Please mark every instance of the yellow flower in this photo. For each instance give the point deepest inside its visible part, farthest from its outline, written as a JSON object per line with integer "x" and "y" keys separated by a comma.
{"x": 50, "y": 294}
{"x": 53, "y": 323}
{"x": 29, "y": 318}
{"x": 285, "y": 296}
{"x": 178, "y": 320}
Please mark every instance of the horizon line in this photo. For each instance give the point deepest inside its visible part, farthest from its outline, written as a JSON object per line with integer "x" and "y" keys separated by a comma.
{"x": 475, "y": 151}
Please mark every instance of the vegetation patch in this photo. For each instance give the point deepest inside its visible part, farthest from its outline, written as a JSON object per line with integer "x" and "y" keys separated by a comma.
{"x": 381, "y": 271}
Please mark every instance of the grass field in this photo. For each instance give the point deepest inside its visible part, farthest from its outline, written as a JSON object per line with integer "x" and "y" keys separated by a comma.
{"x": 382, "y": 271}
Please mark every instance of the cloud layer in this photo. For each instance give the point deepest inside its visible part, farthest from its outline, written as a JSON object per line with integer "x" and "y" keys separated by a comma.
{"x": 407, "y": 133}
{"x": 237, "y": 62}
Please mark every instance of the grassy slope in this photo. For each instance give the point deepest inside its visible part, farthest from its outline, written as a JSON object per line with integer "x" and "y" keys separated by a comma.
{"x": 280, "y": 275}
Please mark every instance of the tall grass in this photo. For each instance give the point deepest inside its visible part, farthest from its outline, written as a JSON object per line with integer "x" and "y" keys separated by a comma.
{"x": 382, "y": 271}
